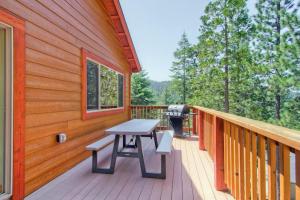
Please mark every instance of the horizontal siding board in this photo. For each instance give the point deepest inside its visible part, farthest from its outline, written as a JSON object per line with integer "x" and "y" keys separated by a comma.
{"x": 36, "y": 107}
{"x": 49, "y": 49}
{"x": 77, "y": 123}
{"x": 48, "y": 72}
{"x": 92, "y": 27}
{"x": 74, "y": 25}
{"x": 50, "y": 118}
{"x": 44, "y": 179}
{"x": 60, "y": 19}
{"x": 36, "y": 133}
{"x": 65, "y": 31}
{"x": 32, "y": 94}
{"x": 51, "y": 84}
{"x": 46, "y": 166}
{"x": 49, "y": 61}
{"x": 41, "y": 34}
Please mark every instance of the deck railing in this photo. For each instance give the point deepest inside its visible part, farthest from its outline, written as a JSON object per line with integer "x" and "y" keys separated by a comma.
{"x": 252, "y": 159}
{"x": 155, "y": 112}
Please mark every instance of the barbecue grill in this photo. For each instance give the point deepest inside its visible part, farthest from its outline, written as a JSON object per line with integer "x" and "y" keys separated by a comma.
{"x": 176, "y": 115}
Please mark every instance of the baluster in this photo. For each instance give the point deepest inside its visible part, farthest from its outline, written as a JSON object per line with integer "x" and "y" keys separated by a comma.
{"x": 253, "y": 167}
{"x": 246, "y": 164}
{"x": 231, "y": 162}
{"x": 236, "y": 162}
{"x": 218, "y": 146}
{"x": 230, "y": 157}
{"x": 272, "y": 170}
{"x": 262, "y": 167}
{"x": 297, "y": 167}
{"x": 226, "y": 153}
{"x": 241, "y": 162}
{"x": 201, "y": 130}
{"x": 284, "y": 172}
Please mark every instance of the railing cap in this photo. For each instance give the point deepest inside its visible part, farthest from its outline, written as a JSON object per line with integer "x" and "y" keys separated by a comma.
{"x": 280, "y": 134}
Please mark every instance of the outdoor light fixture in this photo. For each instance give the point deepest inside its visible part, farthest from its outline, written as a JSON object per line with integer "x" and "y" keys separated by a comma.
{"x": 61, "y": 138}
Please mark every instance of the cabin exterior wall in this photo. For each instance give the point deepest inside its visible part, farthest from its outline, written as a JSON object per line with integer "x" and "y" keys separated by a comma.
{"x": 55, "y": 33}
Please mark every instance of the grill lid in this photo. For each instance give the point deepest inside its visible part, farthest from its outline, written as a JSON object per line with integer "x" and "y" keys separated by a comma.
{"x": 177, "y": 110}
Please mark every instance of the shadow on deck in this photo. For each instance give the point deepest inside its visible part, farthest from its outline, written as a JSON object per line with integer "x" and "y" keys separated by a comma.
{"x": 189, "y": 176}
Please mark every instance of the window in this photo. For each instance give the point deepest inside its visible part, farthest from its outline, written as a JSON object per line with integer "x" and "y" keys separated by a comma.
{"x": 5, "y": 109}
{"x": 92, "y": 86}
{"x": 104, "y": 87}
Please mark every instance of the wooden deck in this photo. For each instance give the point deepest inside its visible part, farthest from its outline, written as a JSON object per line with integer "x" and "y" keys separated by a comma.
{"x": 189, "y": 176}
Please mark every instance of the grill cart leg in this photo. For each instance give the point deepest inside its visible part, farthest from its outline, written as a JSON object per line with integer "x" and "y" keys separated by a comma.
{"x": 111, "y": 169}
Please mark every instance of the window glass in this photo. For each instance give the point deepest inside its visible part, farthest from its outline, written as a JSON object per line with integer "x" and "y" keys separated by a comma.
{"x": 120, "y": 89}
{"x": 92, "y": 86}
{"x": 109, "y": 88}
{"x": 104, "y": 87}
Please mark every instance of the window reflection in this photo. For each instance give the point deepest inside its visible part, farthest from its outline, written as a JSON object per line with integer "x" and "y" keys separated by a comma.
{"x": 105, "y": 87}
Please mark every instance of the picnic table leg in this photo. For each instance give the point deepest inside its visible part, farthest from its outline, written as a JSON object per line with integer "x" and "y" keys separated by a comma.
{"x": 111, "y": 169}
{"x": 155, "y": 138}
{"x": 145, "y": 174}
{"x": 114, "y": 154}
{"x": 124, "y": 141}
{"x": 140, "y": 154}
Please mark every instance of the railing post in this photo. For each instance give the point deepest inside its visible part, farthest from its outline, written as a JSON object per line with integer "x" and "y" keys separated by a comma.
{"x": 194, "y": 122}
{"x": 218, "y": 136}
{"x": 297, "y": 174}
{"x": 201, "y": 130}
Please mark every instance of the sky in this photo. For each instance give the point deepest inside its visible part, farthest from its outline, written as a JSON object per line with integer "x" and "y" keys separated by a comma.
{"x": 156, "y": 27}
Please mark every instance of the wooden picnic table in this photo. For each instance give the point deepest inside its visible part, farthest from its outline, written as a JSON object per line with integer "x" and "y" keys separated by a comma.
{"x": 137, "y": 128}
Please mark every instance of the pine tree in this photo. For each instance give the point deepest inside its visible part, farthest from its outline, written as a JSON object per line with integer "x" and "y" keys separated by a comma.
{"x": 141, "y": 93}
{"x": 276, "y": 44}
{"x": 182, "y": 68}
{"x": 223, "y": 55}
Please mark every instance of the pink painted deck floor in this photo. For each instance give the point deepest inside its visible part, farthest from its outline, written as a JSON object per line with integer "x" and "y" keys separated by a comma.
{"x": 189, "y": 176}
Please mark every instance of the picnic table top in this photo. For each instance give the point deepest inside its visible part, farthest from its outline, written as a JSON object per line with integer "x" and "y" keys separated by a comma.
{"x": 134, "y": 127}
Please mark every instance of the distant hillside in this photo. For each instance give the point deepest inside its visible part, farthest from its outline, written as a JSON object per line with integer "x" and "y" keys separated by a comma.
{"x": 158, "y": 88}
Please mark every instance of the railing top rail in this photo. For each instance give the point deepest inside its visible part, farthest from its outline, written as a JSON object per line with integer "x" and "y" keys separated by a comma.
{"x": 148, "y": 106}
{"x": 280, "y": 134}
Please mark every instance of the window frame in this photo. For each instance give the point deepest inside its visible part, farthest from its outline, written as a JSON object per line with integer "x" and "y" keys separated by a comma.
{"x": 90, "y": 114}
{"x": 18, "y": 102}
{"x": 8, "y": 116}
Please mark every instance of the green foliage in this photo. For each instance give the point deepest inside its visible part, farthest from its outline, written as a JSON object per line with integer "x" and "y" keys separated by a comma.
{"x": 276, "y": 52}
{"x": 243, "y": 65}
{"x": 141, "y": 93}
{"x": 108, "y": 87}
{"x": 182, "y": 70}
{"x": 223, "y": 57}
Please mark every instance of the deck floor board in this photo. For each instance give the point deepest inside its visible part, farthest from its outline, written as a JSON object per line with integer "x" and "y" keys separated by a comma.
{"x": 189, "y": 177}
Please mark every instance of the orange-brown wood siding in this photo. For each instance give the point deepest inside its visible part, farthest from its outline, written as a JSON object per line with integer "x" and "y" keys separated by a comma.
{"x": 55, "y": 31}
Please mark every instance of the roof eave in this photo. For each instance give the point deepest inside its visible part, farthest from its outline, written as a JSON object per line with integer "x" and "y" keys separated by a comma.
{"x": 115, "y": 13}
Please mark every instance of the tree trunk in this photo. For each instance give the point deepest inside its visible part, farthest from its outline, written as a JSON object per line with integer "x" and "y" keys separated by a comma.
{"x": 184, "y": 82}
{"x": 277, "y": 92}
{"x": 277, "y": 104}
{"x": 226, "y": 81}
{"x": 278, "y": 98}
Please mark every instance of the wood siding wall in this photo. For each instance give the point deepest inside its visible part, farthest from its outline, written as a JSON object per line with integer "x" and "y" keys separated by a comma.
{"x": 55, "y": 31}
